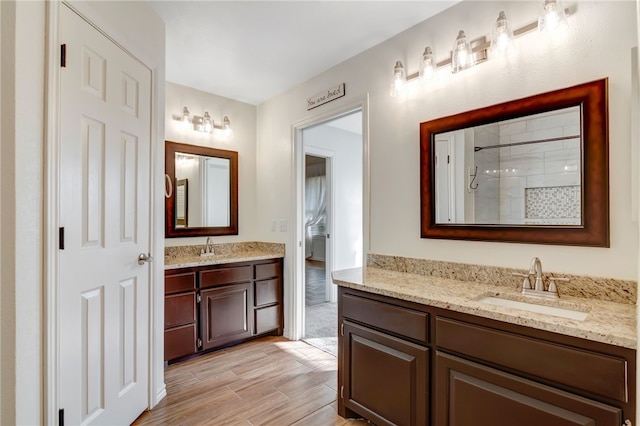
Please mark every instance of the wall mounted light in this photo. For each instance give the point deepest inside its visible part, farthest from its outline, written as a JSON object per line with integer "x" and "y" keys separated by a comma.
{"x": 399, "y": 79}
{"x": 466, "y": 53}
{"x": 553, "y": 17}
{"x": 461, "y": 54}
{"x": 502, "y": 39}
{"x": 204, "y": 123}
{"x": 428, "y": 66}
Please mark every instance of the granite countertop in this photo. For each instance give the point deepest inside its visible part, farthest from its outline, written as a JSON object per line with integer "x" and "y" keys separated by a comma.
{"x": 607, "y": 322}
{"x": 189, "y": 256}
{"x": 217, "y": 259}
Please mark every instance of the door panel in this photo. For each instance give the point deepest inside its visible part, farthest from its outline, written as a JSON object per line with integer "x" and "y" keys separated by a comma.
{"x": 225, "y": 314}
{"x": 471, "y": 394}
{"x": 389, "y": 382}
{"x": 104, "y": 185}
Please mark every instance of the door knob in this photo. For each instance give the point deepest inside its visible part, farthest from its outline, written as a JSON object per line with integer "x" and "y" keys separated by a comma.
{"x": 142, "y": 258}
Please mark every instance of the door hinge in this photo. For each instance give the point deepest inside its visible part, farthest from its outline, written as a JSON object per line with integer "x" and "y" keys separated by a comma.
{"x": 199, "y": 298}
{"x": 328, "y": 236}
{"x": 61, "y": 417}
{"x": 341, "y": 329}
{"x": 341, "y": 392}
{"x": 199, "y": 343}
{"x": 448, "y": 159}
{"x": 63, "y": 55}
{"x": 61, "y": 238}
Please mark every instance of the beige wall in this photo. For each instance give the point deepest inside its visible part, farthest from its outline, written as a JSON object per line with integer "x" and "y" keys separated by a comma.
{"x": 598, "y": 45}
{"x": 243, "y": 123}
{"x": 22, "y": 195}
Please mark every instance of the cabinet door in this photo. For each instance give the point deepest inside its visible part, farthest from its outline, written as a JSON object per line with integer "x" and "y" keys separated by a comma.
{"x": 385, "y": 379}
{"x": 225, "y": 314}
{"x": 471, "y": 394}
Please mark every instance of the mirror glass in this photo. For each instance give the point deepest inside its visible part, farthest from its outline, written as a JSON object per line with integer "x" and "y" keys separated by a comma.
{"x": 532, "y": 170}
{"x": 523, "y": 171}
{"x": 204, "y": 199}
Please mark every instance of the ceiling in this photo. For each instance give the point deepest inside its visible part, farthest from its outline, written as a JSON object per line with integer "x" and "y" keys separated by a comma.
{"x": 251, "y": 51}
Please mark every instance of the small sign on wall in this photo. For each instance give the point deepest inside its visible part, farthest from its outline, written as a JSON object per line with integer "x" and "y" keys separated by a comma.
{"x": 328, "y": 95}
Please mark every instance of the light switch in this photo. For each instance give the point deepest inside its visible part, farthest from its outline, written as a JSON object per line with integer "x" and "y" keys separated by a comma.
{"x": 283, "y": 225}
{"x": 273, "y": 225}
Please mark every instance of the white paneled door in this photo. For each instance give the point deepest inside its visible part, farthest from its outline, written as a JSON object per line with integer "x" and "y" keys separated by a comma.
{"x": 104, "y": 170}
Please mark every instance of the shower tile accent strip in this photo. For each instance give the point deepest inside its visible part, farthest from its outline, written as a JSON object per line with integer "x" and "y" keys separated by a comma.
{"x": 606, "y": 289}
{"x": 553, "y": 202}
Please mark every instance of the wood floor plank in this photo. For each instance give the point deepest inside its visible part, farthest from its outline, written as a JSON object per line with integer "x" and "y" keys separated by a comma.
{"x": 296, "y": 408}
{"x": 267, "y": 381}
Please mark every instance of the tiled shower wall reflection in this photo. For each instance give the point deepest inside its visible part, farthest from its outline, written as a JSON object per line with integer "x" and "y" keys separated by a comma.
{"x": 507, "y": 174}
{"x": 557, "y": 205}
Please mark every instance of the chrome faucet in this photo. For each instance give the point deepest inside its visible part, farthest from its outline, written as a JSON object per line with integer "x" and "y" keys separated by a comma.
{"x": 538, "y": 288}
{"x": 536, "y": 268}
{"x": 208, "y": 248}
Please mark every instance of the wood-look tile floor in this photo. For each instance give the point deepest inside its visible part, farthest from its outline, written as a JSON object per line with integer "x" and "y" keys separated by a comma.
{"x": 268, "y": 381}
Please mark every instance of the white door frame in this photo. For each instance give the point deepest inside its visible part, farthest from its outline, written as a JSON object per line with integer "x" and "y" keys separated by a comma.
{"x": 296, "y": 301}
{"x": 157, "y": 389}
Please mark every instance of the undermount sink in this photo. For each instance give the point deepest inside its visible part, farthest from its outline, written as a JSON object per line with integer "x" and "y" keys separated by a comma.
{"x": 574, "y": 314}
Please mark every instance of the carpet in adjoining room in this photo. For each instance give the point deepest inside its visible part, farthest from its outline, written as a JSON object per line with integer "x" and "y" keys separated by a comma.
{"x": 321, "y": 327}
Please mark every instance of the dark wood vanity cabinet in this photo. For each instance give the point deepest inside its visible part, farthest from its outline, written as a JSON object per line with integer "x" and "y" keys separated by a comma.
{"x": 223, "y": 305}
{"x": 402, "y": 363}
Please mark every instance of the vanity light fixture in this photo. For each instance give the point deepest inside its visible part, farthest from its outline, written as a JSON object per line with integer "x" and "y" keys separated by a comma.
{"x": 461, "y": 54}
{"x": 227, "y": 131}
{"x": 185, "y": 118}
{"x": 553, "y": 17}
{"x": 399, "y": 79}
{"x": 205, "y": 123}
{"x": 428, "y": 66}
{"x": 502, "y": 39}
{"x": 467, "y": 53}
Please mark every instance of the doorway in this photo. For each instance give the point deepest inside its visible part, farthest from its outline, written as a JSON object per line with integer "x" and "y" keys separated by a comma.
{"x": 332, "y": 226}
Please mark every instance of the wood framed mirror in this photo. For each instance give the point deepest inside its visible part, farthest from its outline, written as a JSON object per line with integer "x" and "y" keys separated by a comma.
{"x": 202, "y": 191}
{"x": 532, "y": 170}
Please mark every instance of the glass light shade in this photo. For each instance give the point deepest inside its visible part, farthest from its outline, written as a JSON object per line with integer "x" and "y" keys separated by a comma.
{"x": 185, "y": 119}
{"x": 461, "y": 55}
{"x": 207, "y": 124}
{"x": 227, "y": 131}
{"x": 428, "y": 66}
{"x": 502, "y": 40}
{"x": 552, "y": 17}
{"x": 399, "y": 79}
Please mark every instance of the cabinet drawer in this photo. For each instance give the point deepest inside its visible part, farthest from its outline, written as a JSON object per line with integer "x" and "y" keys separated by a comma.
{"x": 179, "y": 342}
{"x": 267, "y": 270}
{"x": 402, "y": 321}
{"x": 179, "y": 282}
{"x": 592, "y": 372}
{"x": 267, "y": 319}
{"x": 219, "y": 276}
{"x": 267, "y": 292}
{"x": 179, "y": 309}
